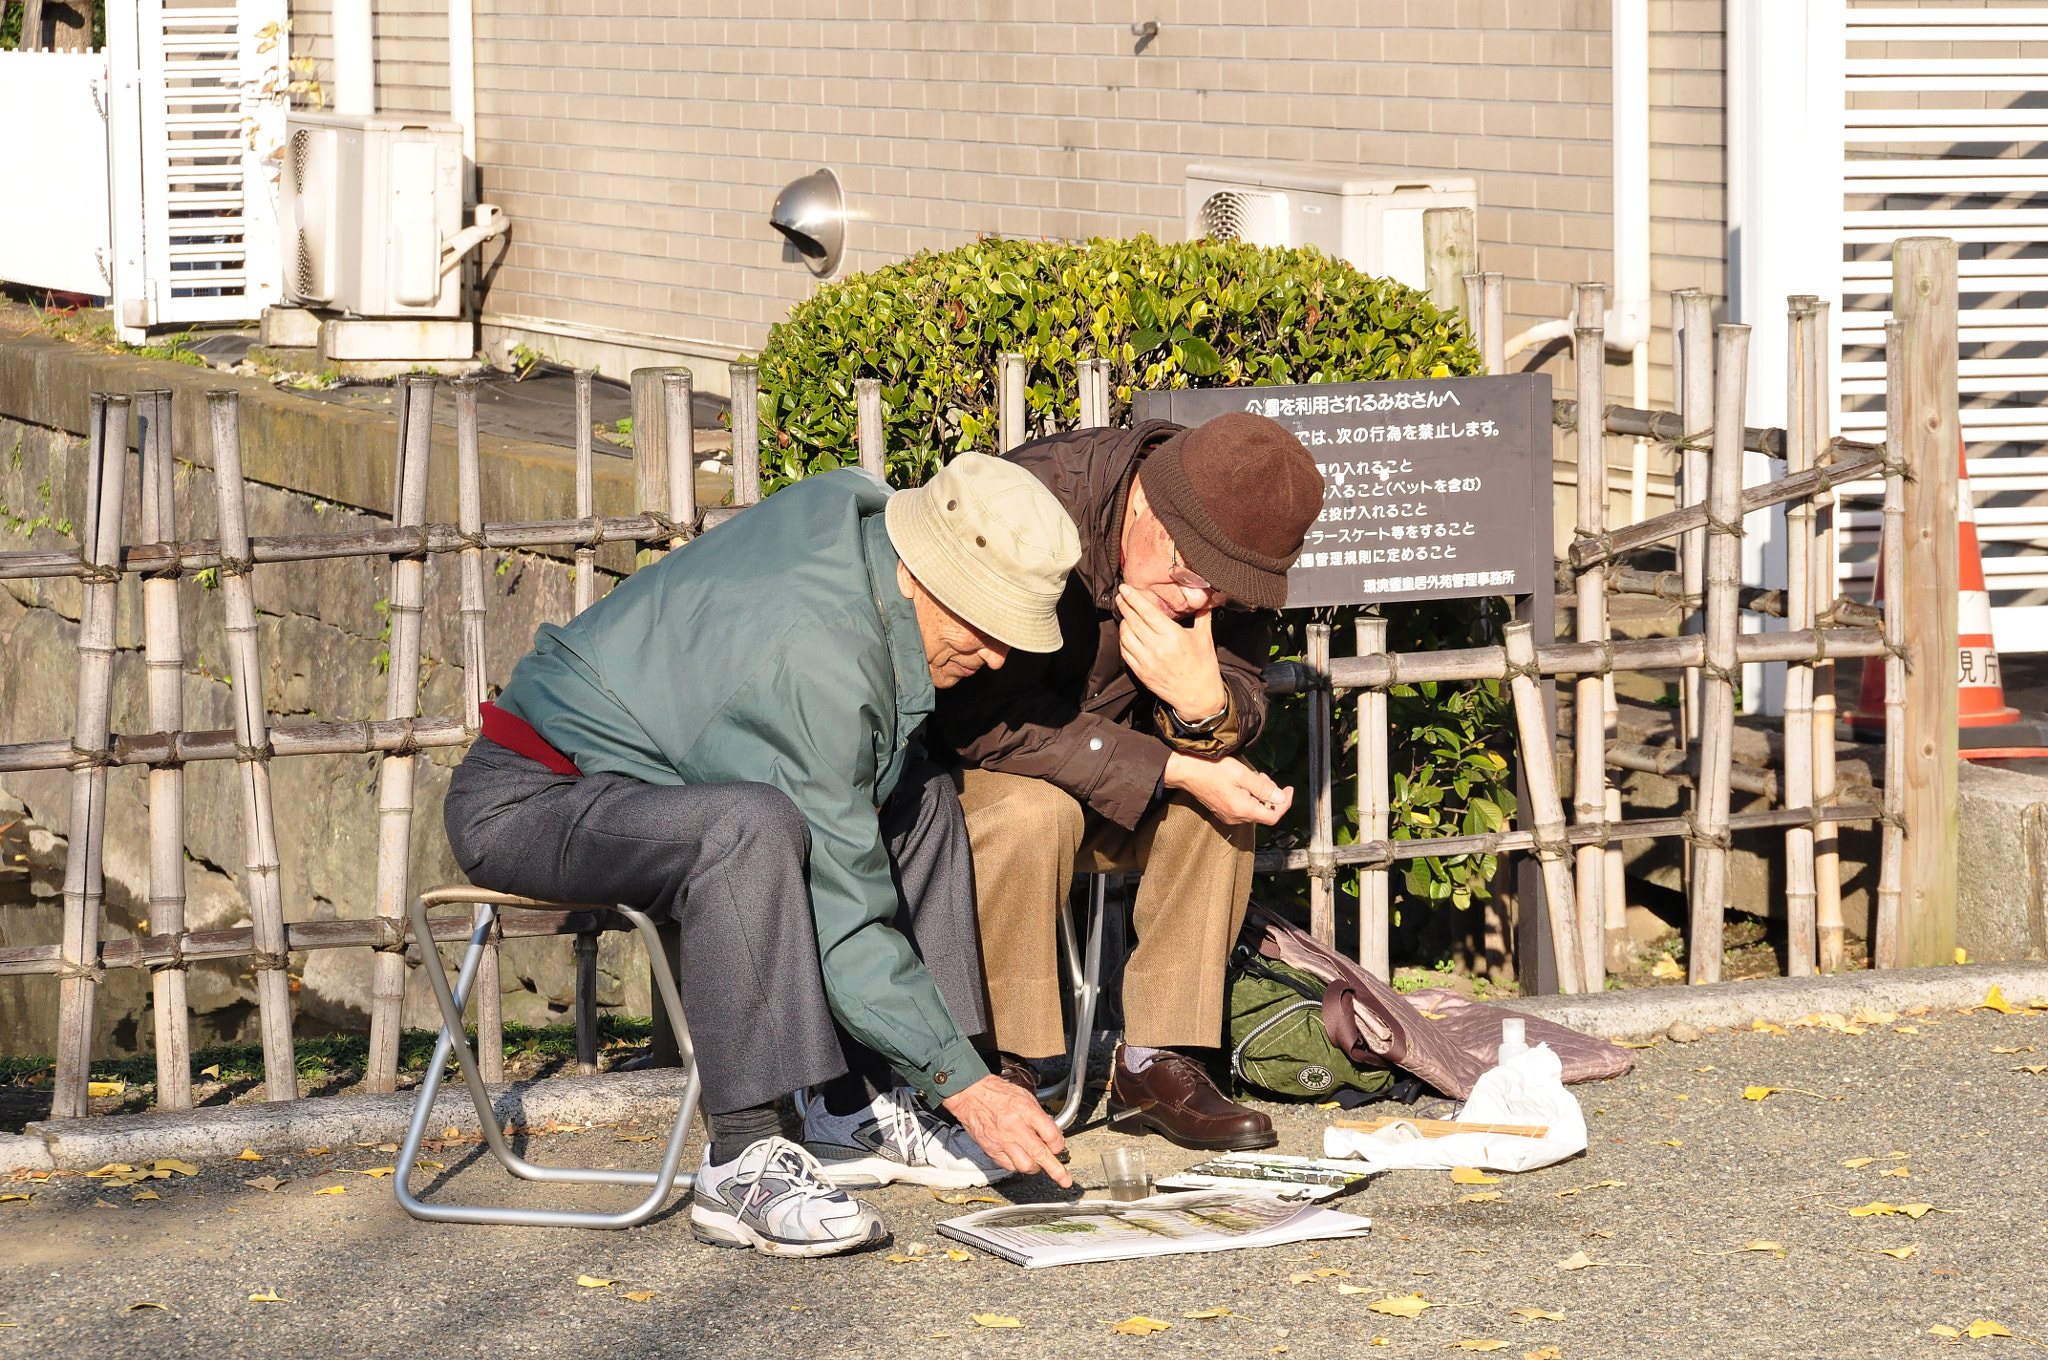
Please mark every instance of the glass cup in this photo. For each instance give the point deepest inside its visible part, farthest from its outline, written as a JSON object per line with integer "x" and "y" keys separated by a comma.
{"x": 1124, "y": 1169}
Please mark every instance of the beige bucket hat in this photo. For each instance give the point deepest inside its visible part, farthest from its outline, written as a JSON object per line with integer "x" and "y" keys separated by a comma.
{"x": 991, "y": 544}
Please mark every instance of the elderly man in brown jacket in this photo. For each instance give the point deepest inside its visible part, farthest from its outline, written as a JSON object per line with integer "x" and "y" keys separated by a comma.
{"x": 1122, "y": 750}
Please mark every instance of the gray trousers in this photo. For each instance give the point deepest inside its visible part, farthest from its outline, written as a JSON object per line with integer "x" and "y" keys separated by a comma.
{"x": 725, "y": 863}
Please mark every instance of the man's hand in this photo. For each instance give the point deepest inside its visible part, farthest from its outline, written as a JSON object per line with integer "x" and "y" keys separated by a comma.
{"x": 1177, "y": 664}
{"x": 1231, "y": 789}
{"x": 1011, "y": 1127}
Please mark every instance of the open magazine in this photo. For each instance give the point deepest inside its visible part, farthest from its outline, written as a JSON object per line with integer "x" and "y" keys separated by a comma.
{"x": 1258, "y": 1173}
{"x": 1032, "y": 1235}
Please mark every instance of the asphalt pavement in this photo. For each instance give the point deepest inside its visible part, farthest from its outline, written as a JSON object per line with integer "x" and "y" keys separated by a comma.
{"x": 1728, "y": 1234}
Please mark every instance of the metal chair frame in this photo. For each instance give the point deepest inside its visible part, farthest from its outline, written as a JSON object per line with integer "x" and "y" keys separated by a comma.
{"x": 664, "y": 1182}
{"x": 1084, "y": 975}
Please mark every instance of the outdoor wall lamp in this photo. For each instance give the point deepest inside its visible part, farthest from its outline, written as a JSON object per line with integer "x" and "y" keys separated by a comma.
{"x": 811, "y": 215}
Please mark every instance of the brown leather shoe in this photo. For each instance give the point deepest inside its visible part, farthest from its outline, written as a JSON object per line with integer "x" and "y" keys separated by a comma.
{"x": 1175, "y": 1097}
{"x": 1019, "y": 1073}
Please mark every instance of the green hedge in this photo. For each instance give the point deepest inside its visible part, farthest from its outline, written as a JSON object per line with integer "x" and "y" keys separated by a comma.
{"x": 1203, "y": 314}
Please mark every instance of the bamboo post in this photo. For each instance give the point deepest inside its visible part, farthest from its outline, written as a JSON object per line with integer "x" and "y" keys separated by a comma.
{"x": 1449, "y": 250}
{"x": 1800, "y": 951}
{"x": 1102, "y": 402}
{"x": 1084, "y": 395}
{"x": 469, "y": 515}
{"x": 1546, "y": 808}
{"x": 1475, "y": 315}
{"x": 1827, "y": 859}
{"x": 84, "y": 884}
{"x": 401, "y": 702}
{"x": 586, "y": 558}
{"x": 1493, "y": 341}
{"x": 163, "y": 658}
{"x": 1589, "y": 701}
{"x": 1924, "y": 301}
{"x": 1723, "y": 607}
{"x": 1322, "y": 862}
{"x": 1614, "y": 892}
{"x": 1891, "y": 555}
{"x": 867, "y": 402}
{"x": 1373, "y": 808}
{"x": 679, "y": 448}
{"x": 261, "y": 885}
{"x": 1011, "y": 370}
{"x": 650, "y": 467}
{"x": 746, "y": 434}
{"x": 1695, "y": 383}
{"x": 586, "y": 1003}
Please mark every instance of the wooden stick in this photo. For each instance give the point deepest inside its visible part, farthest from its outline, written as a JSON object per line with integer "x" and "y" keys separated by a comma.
{"x": 1614, "y": 897}
{"x": 1589, "y": 700}
{"x": 84, "y": 884}
{"x": 1722, "y": 588}
{"x": 261, "y": 885}
{"x": 746, "y": 434}
{"x": 1924, "y": 301}
{"x": 1444, "y": 1128}
{"x": 469, "y": 514}
{"x": 1449, "y": 249}
{"x": 1374, "y": 948}
{"x": 395, "y": 771}
{"x": 867, "y": 403}
{"x": 164, "y": 655}
{"x": 1322, "y": 871}
{"x": 1011, "y": 370}
{"x": 1546, "y": 809}
{"x": 586, "y": 558}
{"x": 1891, "y": 586}
{"x": 1696, "y": 390}
{"x": 1801, "y": 954}
{"x": 679, "y": 446}
{"x": 1084, "y": 394}
{"x": 1831, "y": 939}
{"x": 586, "y": 1003}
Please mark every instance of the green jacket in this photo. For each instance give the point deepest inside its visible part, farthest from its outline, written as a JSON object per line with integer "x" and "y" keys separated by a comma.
{"x": 775, "y": 649}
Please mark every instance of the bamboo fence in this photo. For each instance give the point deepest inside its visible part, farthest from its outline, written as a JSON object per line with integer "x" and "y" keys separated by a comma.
{"x": 1571, "y": 845}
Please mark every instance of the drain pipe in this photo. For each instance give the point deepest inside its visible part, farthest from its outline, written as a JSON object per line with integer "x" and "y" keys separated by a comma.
{"x": 462, "y": 85}
{"x": 355, "y": 70}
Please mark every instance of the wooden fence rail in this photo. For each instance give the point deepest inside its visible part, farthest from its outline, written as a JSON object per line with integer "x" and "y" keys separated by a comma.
{"x": 1574, "y": 845}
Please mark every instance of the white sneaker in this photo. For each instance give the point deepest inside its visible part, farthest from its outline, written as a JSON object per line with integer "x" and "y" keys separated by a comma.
{"x": 773, "y": 1199}
{"x": 896, "y": 1138}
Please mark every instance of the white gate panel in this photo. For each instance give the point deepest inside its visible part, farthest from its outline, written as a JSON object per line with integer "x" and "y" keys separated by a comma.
{"x": 54, "y": 162}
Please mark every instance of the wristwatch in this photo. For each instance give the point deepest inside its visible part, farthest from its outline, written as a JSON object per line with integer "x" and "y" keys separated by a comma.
{"x": 1201, "y": 728}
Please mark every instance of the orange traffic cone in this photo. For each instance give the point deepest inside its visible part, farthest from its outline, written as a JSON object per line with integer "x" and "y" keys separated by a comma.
{"x": 1987, "y": 728}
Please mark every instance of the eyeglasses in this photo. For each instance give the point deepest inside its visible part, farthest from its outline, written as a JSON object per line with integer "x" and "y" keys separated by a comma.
{"x": 1179, "y": 574}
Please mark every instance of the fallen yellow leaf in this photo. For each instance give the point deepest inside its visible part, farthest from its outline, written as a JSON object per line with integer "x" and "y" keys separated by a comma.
{"x": 23, "y": 1198}
{"x": 316, "y": 1152}
{"x": 1467, "y": 1175}
{"x": 1535, "y": 1315}
{"x": 1668, "y": 1142}
{"x": 1903, "y": 1173}
{"x": 1208, "y": 1314}
{"x": 1879, "y": 1209}
{"x": 2028, "y": 1049}
{"x": 333, "y": 1190}
{"x": 267, "y": 1296}
{"x": 1354, "y": 1289}
{"x": 592, "y": 1282}
{"x": 1667, "y": 967}
{"x": 1765, "y": 1027}
{"x": 1139, "y": 1326}
{"x": 1866, "y": 1016}
{"x": 995, "y": 1320}
{"x": 1898, "y": 1253}
{"x": 213, "y": 1071}
{"x": 1547, "y": 1353}
{"x": 248, "y": 1155}
{"x": 1938, "y": 1330}
{"x": 1757, "y": 1092}
{"x": 375, "y": 1172}
{"x": 105, "y": 1088}
{"x": 140, "y": 1304}
{"x": 2036, "y": 1070}
{"x": 1408, "y": 1306}
{"x": 266, "y": 1184}
{"x": 1325, "y": 1273}
{"x": 146, "y": 1194}
{"x": 955, "y": 1254}
{"x": 1482, "y": 1197}
{"x": 110, "y": 1169}
{"x": 1470, "y": 1345}
{"x": 635, "y": 1138}
{"x": 637, "y": 1295}
{"x": 1578, "y": 1260}
{"x": 1708, "y": 1068}
{"x": 1994, "y": 1000}
{"x": 953, "y": 1197}
{"x": 1982, "y": 1328}
{"x": 1858, "y": 1163}
{"x": 897, "y": 1258}
{"x": 172, "y": 1164}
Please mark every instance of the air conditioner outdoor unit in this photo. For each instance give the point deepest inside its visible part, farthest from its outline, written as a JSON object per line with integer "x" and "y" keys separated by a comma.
{"x": 1371, "y": 218}
{"x": 367, "y": 205}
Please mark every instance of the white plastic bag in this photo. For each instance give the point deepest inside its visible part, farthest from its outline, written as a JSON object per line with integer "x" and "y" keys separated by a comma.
{"x": 1526, "y": 1090}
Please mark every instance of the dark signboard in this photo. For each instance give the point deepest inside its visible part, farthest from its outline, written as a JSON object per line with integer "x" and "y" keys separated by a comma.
{"x": 1437, "y": 488}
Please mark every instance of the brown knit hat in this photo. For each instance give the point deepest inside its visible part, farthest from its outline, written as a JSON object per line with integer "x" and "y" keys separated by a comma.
{"x": 1238, "y": 493}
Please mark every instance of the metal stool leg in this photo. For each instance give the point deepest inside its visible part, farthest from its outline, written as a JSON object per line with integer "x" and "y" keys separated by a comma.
{"x": 663, "y": 1182}
{"x": 1088, "y": 989}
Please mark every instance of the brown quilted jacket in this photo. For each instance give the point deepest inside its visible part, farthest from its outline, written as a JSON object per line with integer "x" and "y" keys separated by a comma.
{"x": 1077, "y": 718}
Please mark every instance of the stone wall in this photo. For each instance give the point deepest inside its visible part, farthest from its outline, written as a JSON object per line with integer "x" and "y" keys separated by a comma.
{"x": 322, "y": 633}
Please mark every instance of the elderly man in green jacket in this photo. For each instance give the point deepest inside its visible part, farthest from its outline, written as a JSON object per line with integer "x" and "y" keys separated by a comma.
{"x": 731, "y": 738}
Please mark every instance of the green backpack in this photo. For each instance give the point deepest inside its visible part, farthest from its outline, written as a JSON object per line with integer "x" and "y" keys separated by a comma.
{"x": 1277, "y": 1040}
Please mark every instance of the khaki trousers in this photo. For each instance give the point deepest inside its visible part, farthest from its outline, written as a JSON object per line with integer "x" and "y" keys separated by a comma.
{"x": 1029, "y": 839}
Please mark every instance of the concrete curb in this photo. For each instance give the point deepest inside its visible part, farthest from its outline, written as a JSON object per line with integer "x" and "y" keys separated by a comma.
{"x": 339, "y": 1121}
{"x": 1639, "y": 1014}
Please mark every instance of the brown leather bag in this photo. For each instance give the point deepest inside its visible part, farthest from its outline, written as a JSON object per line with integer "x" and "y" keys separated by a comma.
{"x": 1447, "y": 1040}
